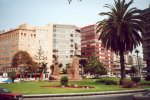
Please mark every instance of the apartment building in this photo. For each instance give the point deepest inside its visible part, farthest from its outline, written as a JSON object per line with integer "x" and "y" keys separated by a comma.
{"x": 27, "y": 38}
{"x": 128, "y": 63}
{"x": 146, "y": 38}
{"x": 65, "y": 37}
{"x": 52, "y": 39}
{"x": 91, "y": 46}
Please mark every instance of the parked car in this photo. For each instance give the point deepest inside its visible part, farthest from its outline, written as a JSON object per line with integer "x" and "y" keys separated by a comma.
{"x": 6, "y": 94}
{"x": 142, "y": 96}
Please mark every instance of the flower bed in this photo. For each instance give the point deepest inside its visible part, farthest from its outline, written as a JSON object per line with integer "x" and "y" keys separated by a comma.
{"x": 73, "y": 86}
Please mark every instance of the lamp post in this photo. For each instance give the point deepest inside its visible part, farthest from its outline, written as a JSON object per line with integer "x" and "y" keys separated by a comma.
{"x": 137, "y": 51}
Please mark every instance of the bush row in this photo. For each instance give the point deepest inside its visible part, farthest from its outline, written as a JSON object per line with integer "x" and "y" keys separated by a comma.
{"x": 108, "y": 81}
{"x": 134, "y": 82}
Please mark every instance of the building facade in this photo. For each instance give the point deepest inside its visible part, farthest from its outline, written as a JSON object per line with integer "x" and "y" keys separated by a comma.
{"x": 49, "y": 40}
{"x": 128, "y": 63}
{"x": 26, "y": 38}
{"x": 91, "y": 46}
{"x": 65, "y": 37}
{"x": 146, "y": 37}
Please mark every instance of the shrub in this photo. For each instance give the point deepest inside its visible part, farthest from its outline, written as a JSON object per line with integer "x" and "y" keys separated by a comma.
{"x": 64, "y": 80}
{"x": 100, "y": 81}
{"x": 147, "y": 78}
{"x": 136, "y": 79}
{"x": 129, "y": 84}
{"x": 144, "y": 82}
{"x": 108, "y": 81}
{"x": 51, "y": 78}
{"x": 111, "y": 82}
{"x": 12, "y": 75}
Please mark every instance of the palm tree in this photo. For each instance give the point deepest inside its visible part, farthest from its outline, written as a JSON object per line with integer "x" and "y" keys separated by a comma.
{"x": 137, "y": 52}
{"x": 120, "y": 31}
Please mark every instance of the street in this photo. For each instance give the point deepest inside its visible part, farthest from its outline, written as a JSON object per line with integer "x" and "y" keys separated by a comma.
{"x": 94, "y": 97}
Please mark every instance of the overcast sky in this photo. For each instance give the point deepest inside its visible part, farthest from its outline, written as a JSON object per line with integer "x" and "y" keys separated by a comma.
{"x": 42, "y": 12}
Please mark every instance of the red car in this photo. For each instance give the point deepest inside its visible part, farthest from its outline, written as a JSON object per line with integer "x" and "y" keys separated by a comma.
{"x": 6, "y": 94}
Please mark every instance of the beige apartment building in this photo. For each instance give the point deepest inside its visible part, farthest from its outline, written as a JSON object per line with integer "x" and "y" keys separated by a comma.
{"x": 52, "y": 39}
{"x": 27, "y": 38}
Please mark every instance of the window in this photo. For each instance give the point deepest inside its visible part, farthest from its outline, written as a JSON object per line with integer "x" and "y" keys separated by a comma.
{"x": 71, "y": 45}
{"x": 71, "y": 50}
{"x": 54, "y": 30}
{"x": 71, "y": 35}
{"x": 88, "y": 45}
{"x": 71, "y": 56}
{"x": 54, "y": 35}
{"x": 54, "y": 26}
{"x": 71, "y": 40}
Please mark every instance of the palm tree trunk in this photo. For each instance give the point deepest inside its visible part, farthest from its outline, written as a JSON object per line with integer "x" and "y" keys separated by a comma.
{"x": 123, "y": 72}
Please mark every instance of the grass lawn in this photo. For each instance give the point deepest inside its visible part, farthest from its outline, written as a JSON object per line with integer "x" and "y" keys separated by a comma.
{"x": 35, "y": 87}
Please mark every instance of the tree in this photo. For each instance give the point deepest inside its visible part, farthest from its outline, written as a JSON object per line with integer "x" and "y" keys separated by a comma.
{"x": 43, "y": 67}
{"x": 21, "y": 59}
{"x": 12, "y": 75}
{"x": 40, "y": 56}
{"x": 120, "y": 31}
{"x": 83, "y": 62}
{"x": 41, "y": 61}
{"x": 33, "y": 68}
{"x": 95, "y": 67}
{"x": 133, "y": 71}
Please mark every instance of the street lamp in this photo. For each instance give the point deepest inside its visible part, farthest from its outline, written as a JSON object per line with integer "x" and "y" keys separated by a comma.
{"x": 137, "y": 51}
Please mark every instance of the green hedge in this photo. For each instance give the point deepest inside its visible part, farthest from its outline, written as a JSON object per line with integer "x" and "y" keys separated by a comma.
{"x": 108, "y": 80}
{"x": 147, "y": 78}
{"x": 136, "y": 79}
{"x": 129, "y": 84}
{"x": 144, "y": 82}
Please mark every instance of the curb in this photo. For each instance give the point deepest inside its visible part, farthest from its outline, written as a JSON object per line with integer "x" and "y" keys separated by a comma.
{"x": 83, "y": 94}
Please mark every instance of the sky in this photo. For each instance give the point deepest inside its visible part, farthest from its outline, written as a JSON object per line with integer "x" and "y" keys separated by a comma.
{"x": 42, "y": 12}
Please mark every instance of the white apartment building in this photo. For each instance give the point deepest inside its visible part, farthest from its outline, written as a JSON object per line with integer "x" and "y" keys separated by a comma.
{"x": 65, "y": 37}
